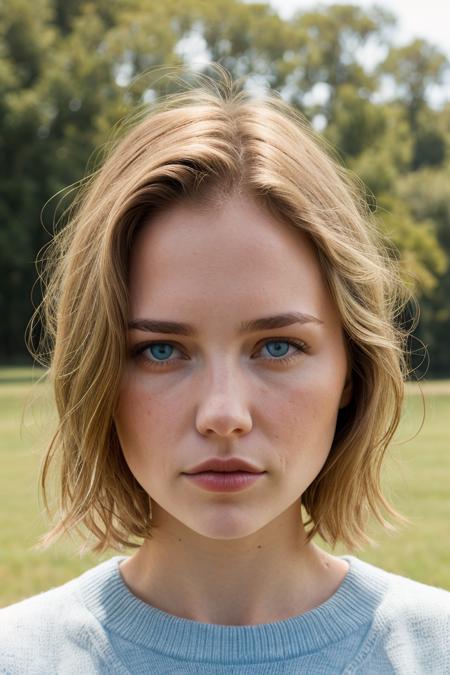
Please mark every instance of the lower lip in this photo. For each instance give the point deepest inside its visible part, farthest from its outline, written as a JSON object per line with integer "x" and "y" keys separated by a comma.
{"x": 231, "y": 481}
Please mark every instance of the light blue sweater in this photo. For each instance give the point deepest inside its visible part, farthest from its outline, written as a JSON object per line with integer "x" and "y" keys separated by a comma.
{"x": 375, "y": 623}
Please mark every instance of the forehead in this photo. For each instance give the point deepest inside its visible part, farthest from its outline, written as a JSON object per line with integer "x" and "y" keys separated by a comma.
{"x": 234, "y": 253}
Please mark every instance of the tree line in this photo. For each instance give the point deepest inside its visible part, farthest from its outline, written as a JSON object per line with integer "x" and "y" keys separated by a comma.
{"x": 70, "y": 70}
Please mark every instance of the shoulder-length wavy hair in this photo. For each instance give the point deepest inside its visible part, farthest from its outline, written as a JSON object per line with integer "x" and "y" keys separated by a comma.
{"x": 203, "y": 144}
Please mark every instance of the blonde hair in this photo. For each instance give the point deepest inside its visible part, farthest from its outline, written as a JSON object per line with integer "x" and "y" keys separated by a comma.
{"x": 203, "y": 144}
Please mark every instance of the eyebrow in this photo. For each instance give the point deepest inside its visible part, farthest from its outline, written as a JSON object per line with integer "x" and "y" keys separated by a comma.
{"x": 265, "y": 323}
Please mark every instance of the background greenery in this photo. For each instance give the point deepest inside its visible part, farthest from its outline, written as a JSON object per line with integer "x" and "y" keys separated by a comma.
{"x": 415, "y": 479}
{"x": 71, "y": 69}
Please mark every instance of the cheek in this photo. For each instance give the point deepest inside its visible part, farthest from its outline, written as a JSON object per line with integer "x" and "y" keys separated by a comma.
{"x": 142, "y": 406}
{"x": 147, "y": 422}
{"x": 136, "y": 424}
{"x": 303, "y": 420}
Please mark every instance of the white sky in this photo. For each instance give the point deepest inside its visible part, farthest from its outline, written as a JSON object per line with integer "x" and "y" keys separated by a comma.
{"x": 416, "y": 18}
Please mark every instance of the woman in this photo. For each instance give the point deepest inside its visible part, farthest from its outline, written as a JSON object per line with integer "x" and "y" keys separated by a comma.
{"x": 228, "y": 374}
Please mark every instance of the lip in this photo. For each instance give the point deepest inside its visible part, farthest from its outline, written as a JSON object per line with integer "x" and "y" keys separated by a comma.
{"x": 225, "y": 481}
{"x": 219, "y": 465}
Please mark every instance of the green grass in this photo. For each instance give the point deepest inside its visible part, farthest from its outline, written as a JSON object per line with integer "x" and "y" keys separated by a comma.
{"x": 417, "y": 476}
{"x": 416, "y": 482}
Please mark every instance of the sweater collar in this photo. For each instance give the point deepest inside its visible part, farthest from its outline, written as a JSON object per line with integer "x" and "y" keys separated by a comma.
{"x": 103, "y": 591}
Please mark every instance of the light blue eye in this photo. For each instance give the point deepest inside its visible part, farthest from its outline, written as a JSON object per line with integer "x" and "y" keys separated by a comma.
{"x": 161, "y": 350}
{"x": 279, "y": 347}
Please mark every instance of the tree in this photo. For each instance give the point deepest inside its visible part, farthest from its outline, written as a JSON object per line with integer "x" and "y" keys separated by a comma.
{"x": 428, "y": 194}
{"x": 26, "y": 39}
{"x": 70, "y": 70}
{"x": 325, "y": 48}
{"x": 414, "y": 68}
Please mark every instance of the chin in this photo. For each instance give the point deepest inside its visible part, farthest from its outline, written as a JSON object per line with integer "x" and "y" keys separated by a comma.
{"x": 226, "y": 527}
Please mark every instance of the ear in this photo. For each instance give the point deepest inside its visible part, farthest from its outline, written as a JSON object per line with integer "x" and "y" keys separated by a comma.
{"x": 346, "y": 395}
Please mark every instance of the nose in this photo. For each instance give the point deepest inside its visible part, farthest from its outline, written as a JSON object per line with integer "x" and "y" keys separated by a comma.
{"x": 223, "y": 408}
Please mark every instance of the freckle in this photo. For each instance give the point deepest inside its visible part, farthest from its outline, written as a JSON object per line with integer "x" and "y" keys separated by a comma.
{"x": 259, "y": 546}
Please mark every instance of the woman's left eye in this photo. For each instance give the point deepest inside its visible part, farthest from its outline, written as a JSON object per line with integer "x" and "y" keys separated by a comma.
{"x": 280, "y": 349}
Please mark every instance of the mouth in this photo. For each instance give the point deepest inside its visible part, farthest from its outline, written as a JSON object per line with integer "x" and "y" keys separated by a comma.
{"x": 224, "y": 481}
{"x": 226, "y": 473}
{"x": 224, "y": 465}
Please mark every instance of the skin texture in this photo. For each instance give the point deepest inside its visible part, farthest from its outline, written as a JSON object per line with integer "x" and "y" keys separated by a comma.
{"x": 236, "y": 558}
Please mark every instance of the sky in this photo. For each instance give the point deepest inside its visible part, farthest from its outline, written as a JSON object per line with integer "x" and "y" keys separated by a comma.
{"x": 429, "y": 19}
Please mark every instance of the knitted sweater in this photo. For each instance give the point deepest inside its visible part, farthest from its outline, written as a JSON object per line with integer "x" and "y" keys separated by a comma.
{"x": 375, "y": 623}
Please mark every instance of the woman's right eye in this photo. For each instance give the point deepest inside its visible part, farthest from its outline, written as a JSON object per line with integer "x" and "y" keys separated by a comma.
{"x": 155, "y": 353}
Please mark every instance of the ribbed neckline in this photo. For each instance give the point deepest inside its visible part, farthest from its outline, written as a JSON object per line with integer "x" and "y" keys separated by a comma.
{"x": 104, "y": 592}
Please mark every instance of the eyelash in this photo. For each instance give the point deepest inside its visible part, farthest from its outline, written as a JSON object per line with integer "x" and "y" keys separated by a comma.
{"x": 137, "y": 352}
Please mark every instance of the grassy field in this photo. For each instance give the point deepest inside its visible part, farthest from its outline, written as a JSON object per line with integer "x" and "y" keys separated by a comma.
{"x": 417, "y": 479}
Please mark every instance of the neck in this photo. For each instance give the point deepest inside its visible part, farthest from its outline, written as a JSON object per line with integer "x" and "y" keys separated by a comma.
{"x": 267, "y": 576}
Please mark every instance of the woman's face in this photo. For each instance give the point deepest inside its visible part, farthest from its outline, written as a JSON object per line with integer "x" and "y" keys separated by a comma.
{"x": 266, "y": 395}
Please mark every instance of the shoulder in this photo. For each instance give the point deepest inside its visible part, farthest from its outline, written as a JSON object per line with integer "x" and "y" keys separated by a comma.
{"x": 40, "y": 611}
{"x": 403, "y": 598}
{"x": 47, "y": 629}
{"x": 416, "y": 604}
{"x": 410, "y": 628}
{"x": 31, "y": 626}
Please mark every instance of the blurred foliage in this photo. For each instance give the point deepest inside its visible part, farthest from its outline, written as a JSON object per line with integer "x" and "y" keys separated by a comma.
{"x": 70, "y": 70}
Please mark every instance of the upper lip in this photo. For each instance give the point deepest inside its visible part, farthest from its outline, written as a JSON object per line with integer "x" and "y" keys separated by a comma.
{"x": 223, "y": 465}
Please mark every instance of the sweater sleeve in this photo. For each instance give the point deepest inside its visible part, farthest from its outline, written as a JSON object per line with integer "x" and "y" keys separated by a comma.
{"x": 53, "y": 633}
{"x": 410, "y": 632}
